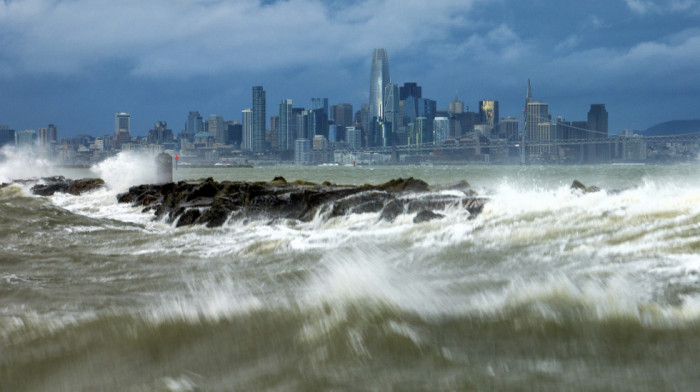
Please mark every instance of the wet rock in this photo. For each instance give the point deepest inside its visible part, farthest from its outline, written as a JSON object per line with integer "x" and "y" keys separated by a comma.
{"x": 390, "y": 211}
{"x": 211, "y": 203}
{"x": 578, "y": 186}
{"x": 404, "y": 185}
{"x": 426, "y": 216}
{"x": 51, "y": 185}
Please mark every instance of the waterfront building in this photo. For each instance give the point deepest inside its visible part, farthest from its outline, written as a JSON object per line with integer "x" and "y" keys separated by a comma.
{"x": 25, "y": 138}
{"x": 259, "y": 119}
{"x": 302, "y": 151}
{"x": 441, "y": 130}
{"x": 354, "y": 138}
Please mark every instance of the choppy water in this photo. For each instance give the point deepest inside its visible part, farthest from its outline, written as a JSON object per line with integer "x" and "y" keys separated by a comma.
{"x": 545, "y": 290}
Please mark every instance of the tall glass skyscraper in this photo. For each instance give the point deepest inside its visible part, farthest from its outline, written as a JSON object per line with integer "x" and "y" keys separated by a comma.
{"x": 259, "y": 119}
{"x": 378, "y": 79}
{"x": 285, "y": 135}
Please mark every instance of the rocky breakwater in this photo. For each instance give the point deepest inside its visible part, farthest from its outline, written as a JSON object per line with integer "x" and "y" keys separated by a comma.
{"x": 47, "y": 186}
{"x": 212, "y": 203}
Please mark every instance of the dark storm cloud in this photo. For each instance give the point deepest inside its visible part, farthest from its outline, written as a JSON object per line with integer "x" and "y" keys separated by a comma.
{"x": 160, "y": 58}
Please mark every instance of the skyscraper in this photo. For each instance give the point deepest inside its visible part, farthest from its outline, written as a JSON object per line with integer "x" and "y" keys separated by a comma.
{"x": 122, "y": 125}
{"x": 194, "y": 124}
{"x": 410, "y": 89}
{"x": 456, "y": 106}
{"x": 259, "y": 119}
{"x": 391, "y": 112}
{"x": 285, "y": 135}
{"x": 378, "y": 79}
{"x": 342, "y": 114}
{"x": 247, "y": 143}
{"x": 598, "y": 121}
{"x": 598, "y": 126}
{"x": 488, "y": 111}
{"x": 216, "y": 127}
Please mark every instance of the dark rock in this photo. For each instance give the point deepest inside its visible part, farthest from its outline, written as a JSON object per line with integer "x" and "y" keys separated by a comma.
{"x": 578, "y": 186}
{"x": 210, "y": 203}
{"x": 55, "y": 184}
{"x": 189, "y": 217}
{"x": 391, "y": 210}
{"x": 426, "y": 215}
{"x": 404, "y": 185}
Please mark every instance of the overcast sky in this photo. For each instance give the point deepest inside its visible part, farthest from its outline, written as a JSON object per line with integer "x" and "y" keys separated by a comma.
{"x": 75, "y": 63}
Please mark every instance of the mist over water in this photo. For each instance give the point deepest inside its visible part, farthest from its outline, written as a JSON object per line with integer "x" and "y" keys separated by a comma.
{"x": 546, "y": 289}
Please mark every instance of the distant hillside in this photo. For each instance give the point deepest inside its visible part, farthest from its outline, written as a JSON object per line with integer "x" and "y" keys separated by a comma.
{"x": 676, "y": 127}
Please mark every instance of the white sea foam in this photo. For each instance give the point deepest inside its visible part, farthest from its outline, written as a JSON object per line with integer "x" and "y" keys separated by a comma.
{"x": 17, "y": 164}
{"x": 127, "y": 169}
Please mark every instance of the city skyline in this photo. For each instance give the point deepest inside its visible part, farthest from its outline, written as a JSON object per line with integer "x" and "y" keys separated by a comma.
{"x": 65, "y": 63}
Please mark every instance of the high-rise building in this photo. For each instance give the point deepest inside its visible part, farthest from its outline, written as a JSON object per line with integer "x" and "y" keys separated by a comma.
{"x": 598, "y": 126}
{"x": 391, "y": 113}
{"x": 410, "y": 89}
{"x": 286, "y": 134}
{"x": 160, "y": 133}
{"x": 122, "y": 128}
{"x": 441, "y": 129}
{"x": 302, "y": 151}
{"x": 536, "y": 113}
{"x": 488, "y": 111}
{"x": 354, "y": 138}
{"x": 342, "y": 114}
{"x": 195, "y": 123}
{"x": 456, "y": 106}
{"x": 47, "y": 136}
{"x": 7, "y": 135}
{"x": 217, "y": 128}
{"x": 508, "y": 128}
{"x": 25, "y": 138}
{"x": 378, "y": 79}
{"x": 598, "y": 121}
{"x": 320, "y": 103}
{"x": 247, "y": 143}
{"x": 259, "y": 119}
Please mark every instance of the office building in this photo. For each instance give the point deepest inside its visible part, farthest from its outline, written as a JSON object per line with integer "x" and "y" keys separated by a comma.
{"x": 342, "y": 115}
{"x": 302, "y": 151}
{"x": 195, "y": 123}
{"x": 354, "y": 138}
{"x": 216, "y": 128}
{"x": 259, "y": 119}
{"x": 410, "y": 89}
{"x": 441, "y": 130}
{"x": 7, "y": 135}
{"x": 598, "y": 121}
{"x": 26, "y": 138}
{"x": 379, "y": 78}
{"x": 488, "y": 113}
{"x": 287, "y": 126}
{"x": 391, "y": 114}
{"x": 247, "y": 122}
{"x": 456, "y": 106}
